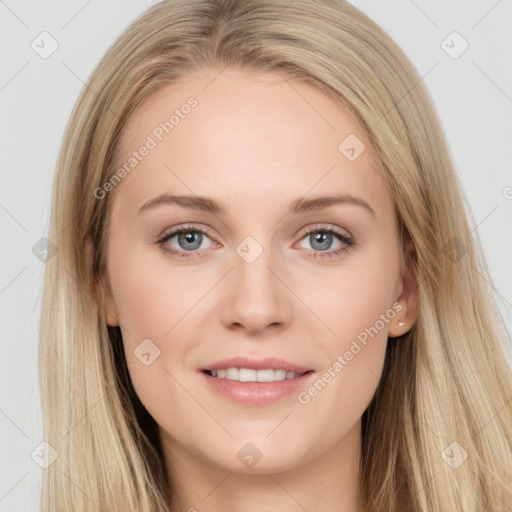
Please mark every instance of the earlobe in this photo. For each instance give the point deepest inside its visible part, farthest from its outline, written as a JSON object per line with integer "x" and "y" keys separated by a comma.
{"x": 408, "y": 299}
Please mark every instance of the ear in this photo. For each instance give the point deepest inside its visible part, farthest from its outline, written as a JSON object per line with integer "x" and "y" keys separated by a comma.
{"x": 102, "y": 291}
{"x": 408, "y": 298}
{"x": 108, "y": 303}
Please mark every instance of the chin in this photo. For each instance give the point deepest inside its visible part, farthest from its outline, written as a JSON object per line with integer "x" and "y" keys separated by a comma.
{"x": 249, "y": 459}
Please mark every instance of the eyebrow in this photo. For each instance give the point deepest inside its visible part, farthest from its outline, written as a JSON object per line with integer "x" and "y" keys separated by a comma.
{"x": 210, "y": 205}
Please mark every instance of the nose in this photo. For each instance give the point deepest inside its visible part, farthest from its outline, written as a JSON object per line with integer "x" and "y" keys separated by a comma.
{"x": 257, "y": 298}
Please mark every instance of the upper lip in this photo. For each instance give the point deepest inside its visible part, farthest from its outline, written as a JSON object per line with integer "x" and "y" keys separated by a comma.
{"x": 257, "y": 364}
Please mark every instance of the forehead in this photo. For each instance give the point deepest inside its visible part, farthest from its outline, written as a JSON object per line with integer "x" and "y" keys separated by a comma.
{"x": 218, "y": 133}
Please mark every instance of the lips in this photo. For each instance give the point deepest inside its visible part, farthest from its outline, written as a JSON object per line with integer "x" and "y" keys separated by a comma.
{"x": 269, "y": 363}
{"x": 257, "y": 393}
{"x": 248, "y": 392}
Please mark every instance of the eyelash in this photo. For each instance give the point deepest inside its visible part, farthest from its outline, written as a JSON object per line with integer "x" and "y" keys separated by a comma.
{"x": 348, "y": 241}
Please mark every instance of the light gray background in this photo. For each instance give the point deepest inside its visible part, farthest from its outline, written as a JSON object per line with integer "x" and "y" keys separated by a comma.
{"x": 472, "y": 93}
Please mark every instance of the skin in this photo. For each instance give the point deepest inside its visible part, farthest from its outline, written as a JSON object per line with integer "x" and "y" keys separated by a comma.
{"x": 254, "y": 143}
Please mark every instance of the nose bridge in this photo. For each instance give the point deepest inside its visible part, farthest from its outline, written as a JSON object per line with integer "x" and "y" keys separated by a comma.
{"x": 256, "y": 298}
{"x": 252, "y": 264}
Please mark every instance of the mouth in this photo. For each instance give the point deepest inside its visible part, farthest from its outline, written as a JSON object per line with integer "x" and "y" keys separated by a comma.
{"x": 265, "y": 381}
{"x": 253, "y": 375}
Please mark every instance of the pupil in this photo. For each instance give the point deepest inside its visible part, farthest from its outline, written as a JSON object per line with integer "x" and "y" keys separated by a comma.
{"x": 323, "y": 239}
{"x": 191, "y": 239}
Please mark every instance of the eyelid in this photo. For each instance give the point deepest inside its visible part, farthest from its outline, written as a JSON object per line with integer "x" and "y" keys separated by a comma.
{"x": 326, "y": 227}
{"x": 169, "y": 232}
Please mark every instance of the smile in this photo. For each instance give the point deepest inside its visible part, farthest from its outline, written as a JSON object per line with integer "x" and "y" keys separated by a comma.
{"x": 251, "y": 375}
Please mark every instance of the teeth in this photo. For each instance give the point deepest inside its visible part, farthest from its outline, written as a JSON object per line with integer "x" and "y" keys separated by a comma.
{"x": 248, "y": 375}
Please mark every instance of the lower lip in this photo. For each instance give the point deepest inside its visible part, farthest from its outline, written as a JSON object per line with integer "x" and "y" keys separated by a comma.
{"x": 256, "y": 393}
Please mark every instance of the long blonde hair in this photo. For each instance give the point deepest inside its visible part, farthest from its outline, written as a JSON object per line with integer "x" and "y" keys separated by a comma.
{"x": 446, "y": 388}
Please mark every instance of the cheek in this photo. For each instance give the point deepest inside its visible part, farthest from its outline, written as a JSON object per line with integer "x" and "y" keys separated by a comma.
{"x": 353, "y": 297}
{"x": 159, "y": 303}
{"x": 150, "y": 304}
{"x": 356, "y": 303}
{"x": 150, "y": 299}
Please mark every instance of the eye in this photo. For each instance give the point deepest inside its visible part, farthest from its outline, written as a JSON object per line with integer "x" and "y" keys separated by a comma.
{"x": 321, "y": 240}
{"x": 188, "y": 240}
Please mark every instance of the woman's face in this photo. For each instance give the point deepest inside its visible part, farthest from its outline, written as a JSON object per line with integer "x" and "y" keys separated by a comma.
{"x": 265, "y": 268}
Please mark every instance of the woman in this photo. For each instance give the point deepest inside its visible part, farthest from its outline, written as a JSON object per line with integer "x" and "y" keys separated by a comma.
{"x": 266, "y": 293}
